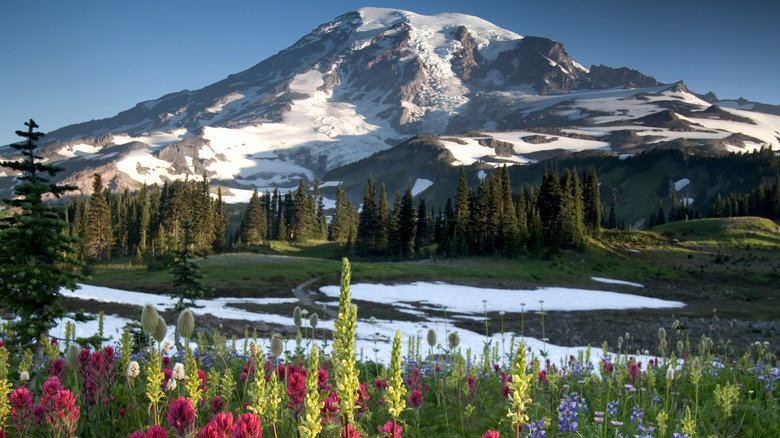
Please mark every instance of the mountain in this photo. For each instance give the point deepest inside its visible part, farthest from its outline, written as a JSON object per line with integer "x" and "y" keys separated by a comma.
{"x": 371, "y": 79}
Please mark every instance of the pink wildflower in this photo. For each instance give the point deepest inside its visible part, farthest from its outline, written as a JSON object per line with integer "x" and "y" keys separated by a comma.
{"x": 391, "y": 430}
{"x": 490, "y": 434}
{"x": 156, "y": 432}
{"x": 247, "y": 426}
{"x": 181, "y": 417}
{"x": 416, "y": 399}
{"x": 296, "y": 392}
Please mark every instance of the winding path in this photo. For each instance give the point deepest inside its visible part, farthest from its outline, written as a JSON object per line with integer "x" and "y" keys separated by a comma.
{"x": 303, "y": 297}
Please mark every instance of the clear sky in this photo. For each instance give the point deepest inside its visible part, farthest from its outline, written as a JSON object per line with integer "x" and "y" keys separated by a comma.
{"x": 67, "y": 62}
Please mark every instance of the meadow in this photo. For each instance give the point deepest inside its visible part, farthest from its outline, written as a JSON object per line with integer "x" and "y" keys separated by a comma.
{"x": 688, "y": 380}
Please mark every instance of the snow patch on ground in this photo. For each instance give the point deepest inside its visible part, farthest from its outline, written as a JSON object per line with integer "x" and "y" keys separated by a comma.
{"x": 420, "y": 185}
{"x": 678, "y": 185}
{"x": 374, "y": 339}
{"x": 611, "y": 281}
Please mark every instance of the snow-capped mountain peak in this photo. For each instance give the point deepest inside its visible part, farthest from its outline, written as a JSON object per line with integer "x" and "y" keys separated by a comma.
{"x": 358, "y": 85}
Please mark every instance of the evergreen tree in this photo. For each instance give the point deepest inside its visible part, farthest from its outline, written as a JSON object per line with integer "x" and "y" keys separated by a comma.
{"x": 407, "y": 225}
{"x": 255, "y": 225}
{"x": 186, "y": 272}
{"x": 612, "y": 220}
{"x": 394, "y": 229}
{"x": 591, "y": 195}
{"x": 220, "y": 222}
{"x": 303, "y": 220}
{"x": 37, "y": 258}
{"x": 382, "y": 222}
{"x": 340, "y": 221}
{"x": 462, "y": 214}
{"x": 423, "y": 228}
{"x": 367, "y": 223}
{"x": 99, "y": 237}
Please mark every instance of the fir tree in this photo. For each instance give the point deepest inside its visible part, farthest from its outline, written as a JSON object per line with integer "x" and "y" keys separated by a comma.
{"x": 99, "y": 237}
{"x": 255, "y": 224}
{"x": 462, "y": 214}
{"x": 185, "y": 271}
{"x": 407, "y": 223}
{"x": 612, "y": 220}
{"x": 340, "y": 222}
{"x": 37, "y": 258}
{"x": 367, "y": 223}
{"x": 591, "y": 196}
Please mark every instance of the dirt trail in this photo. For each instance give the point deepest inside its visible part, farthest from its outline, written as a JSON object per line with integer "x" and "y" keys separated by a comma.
{"x": 302, "y": 295}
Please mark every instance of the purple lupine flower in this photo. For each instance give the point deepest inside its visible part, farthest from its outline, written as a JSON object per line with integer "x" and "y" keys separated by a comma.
{"x": 536, "y": 430}
{"x": 612, "y": 408}
{"x": 567, "y": 412}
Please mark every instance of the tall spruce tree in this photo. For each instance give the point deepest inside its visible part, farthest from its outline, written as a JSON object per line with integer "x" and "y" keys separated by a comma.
{"x": 407, "y": 226}
{"x": 367, "y": 222}
{"x": 37, "y": 258}
{"x": 186, "y": 272}
{"x": 462, "y": 214}
{"x": 255, "y": 225}
{"x": 99, "y": 237}
{"x": 591, "y": 195}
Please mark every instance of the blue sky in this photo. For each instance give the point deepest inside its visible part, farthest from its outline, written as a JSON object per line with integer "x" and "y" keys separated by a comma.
{"x": 66, "y": 62}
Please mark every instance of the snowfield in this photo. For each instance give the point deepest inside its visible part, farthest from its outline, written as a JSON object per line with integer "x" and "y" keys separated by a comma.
{"x": 374, "y": 336}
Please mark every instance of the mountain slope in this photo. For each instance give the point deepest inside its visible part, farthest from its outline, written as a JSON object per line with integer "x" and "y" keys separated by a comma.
{"x": 374, "y": 77}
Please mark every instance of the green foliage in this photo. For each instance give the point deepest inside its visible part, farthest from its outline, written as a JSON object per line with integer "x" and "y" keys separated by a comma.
{"x": 37, "y": 256}
{"x": 186, "y": 272}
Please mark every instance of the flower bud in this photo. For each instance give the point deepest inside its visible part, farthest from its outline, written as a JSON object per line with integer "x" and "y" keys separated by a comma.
{"x": 186, "y": 323}
{"x": 453, "y": 341}
{"x": 277, "y": 346}
{"x": 661, "y": 334}
{"x": 149, "y": 317}
{"x": 313, "y": 320}
{"x": 431, "y": 337}
{"x": 253, "y": 348}
{"x": 160, "y": 330}
{"x": 297, "y": 317}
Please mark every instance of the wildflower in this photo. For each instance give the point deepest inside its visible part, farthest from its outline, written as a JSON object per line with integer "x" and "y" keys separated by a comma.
{"x": 670, "y": 373}
{"x": 65, "y": 415}
{"x": 612, "y": 408}
{"x": 24, "y": 377}
{"x": 181, "y": 416}
{"x": 393, "y": 430}
{"x": 156, "y": 432}
{"x": 247, "y": 426}
{"x": 178, "y": 371}
{"x": 56, "y": 369}
{"x": 616, "y": 423}
{"x": 217, "y": 404}
{"x": 519, "y": 386}
{"x": 490, "y": 434}
{"x": 296, "y": 391}
{"x": 633, "y": 371}
{"x": 133, "y": 369}
{"x": 416, "y": 399}
{"x": 171, "y": 385}
{"x": 536, "y": 430}
{"x": 330, "y": 408}
{"x": 567, "y": 412}
{"x": 167, "y": 347}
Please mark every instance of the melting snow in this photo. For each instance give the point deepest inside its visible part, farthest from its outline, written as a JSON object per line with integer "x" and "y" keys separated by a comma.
{"x": 420, "y": 185}
{"x": 681, "y": 183}
{"x": 374, "y": 339}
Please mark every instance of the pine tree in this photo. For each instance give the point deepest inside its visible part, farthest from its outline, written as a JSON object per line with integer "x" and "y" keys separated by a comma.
{"x": 185, "y": 271}
{"x": 37, "y": 259}
{"x": 367, "y": 223}
{"x": 99, "y": 237}
{"x": 382, "y": 222}
{"x": 303, "y": 220}
{"x": 407, "y": 225}
{"x": 591, "y": 195}
{"x": 612, "y": 220}
{"x": 254, "y": 228}
{"x": 220, "y": 222}
{"x": 340, "y": 221}
{"x": 462, "y": 214}
{"x": 423, "y": 227}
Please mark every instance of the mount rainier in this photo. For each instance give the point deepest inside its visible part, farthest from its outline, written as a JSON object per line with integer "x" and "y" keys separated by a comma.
{"x": 372, "y": 78}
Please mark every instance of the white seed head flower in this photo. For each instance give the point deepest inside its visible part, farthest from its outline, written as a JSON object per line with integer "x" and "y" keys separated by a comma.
{"x": 24, "y": 376}
{"x": 178, "y": 371}
{"x": 670, "y": 373}
{"x": 171, "y": 385}
{"x": 167, "y": 347}
{"x": 133, "y": 369}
